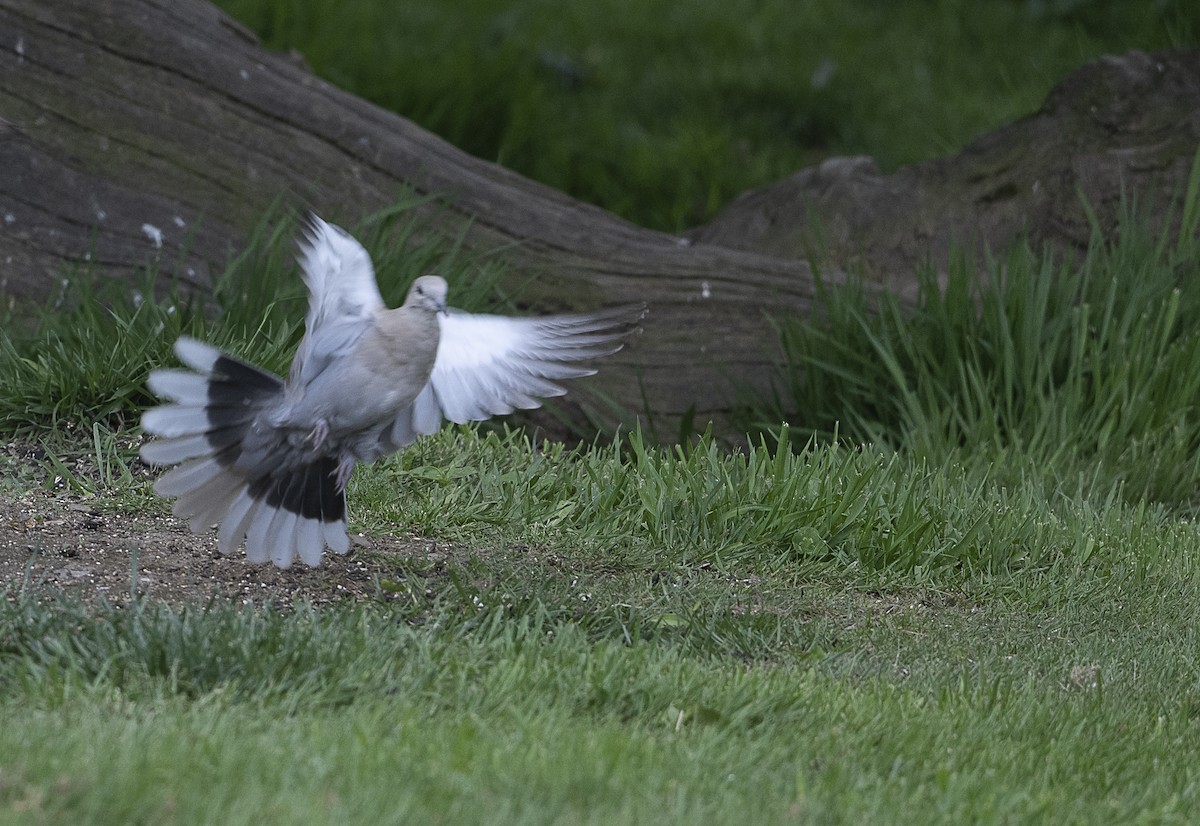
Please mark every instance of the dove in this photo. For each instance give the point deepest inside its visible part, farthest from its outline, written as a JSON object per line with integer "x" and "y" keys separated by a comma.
{"x": 267, "y": 459}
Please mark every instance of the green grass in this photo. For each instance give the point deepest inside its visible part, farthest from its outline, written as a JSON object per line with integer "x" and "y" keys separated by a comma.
{"x": 959, "y": 588}
{"x": 1082, "y": 372}
{"x": 1063, "y": 695}
{"x": 765, "y": 508}
{"x": 663, "y": 113}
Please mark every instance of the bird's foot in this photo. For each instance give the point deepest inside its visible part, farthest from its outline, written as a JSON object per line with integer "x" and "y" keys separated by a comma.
{"x": 344, "y": 469}
{"x": 319, "y": 434}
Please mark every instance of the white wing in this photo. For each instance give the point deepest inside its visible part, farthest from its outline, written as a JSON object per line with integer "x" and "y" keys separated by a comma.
{"x": 489, "y": 365}
{"x": 343, "y": 296}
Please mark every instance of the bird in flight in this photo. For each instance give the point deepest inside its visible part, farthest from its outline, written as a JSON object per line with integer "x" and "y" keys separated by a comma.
{"x": 267, "y": 459}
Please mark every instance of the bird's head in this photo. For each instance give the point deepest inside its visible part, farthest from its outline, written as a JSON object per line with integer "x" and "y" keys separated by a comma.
{"x": 428, "y": 293}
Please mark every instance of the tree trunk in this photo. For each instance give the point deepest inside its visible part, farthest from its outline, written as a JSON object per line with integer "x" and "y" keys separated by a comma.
{"x": 142, "y": 130}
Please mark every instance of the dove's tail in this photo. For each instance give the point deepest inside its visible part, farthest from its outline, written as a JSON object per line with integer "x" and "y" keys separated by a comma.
{"x": 234, "y": 474}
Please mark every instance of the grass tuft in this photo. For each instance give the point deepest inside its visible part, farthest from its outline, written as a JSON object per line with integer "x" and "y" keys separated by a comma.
{"x": 1080, "y": 371}
{"x": 638, "y": 506}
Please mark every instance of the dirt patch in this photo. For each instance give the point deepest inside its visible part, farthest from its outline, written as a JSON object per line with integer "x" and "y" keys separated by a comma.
{"x": 58, "y": 540}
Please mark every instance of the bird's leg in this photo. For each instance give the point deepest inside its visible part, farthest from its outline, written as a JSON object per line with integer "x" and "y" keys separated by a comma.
{"x": 344, "y": 469}
{"x": 319, "y": 434}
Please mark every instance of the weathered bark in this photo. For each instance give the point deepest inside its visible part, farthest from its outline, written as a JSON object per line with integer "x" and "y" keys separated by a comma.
{"x": 1121, "y": 125}
{"x": 133, "y": 130}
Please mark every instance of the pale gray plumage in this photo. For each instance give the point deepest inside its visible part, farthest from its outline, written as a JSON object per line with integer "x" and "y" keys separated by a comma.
{"x": 268, "y": 460}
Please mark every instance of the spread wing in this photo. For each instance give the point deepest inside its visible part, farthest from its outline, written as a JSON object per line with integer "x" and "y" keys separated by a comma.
{"x": 489, "y": 365}
{"x": 343, "y": 297}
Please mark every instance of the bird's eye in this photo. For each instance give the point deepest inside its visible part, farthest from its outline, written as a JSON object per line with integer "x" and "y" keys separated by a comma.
{"x": 420, "y": 291}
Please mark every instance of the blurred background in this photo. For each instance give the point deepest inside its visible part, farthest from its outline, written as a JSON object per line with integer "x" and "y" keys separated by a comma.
{"x": 663, "y": 112}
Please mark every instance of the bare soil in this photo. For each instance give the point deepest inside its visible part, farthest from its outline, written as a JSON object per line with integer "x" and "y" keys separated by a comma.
{"x": 53, "y": 538}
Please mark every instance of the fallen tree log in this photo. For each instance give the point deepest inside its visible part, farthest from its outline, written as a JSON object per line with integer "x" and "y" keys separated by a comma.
{"x": 1125, "y": 126}
{"x": 140, "y": 130}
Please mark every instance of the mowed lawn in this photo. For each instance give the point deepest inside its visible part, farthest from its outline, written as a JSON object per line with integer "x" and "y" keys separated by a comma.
{"x": 631, "y": 669}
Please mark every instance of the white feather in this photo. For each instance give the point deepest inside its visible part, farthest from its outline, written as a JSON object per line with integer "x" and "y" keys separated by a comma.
{"x": 281, "y": 538}
{"x": 257, "y": 549}
{"x": 196, "y": 354}
{"x": 426, "y": 417}
{"x": 171, "y": 420}
{"x": 310, "y": 544}
{"x": 180, "y": 480}
{"x": 170, "y": 451}
{"x": 343, "y": 294}
{"x": 335, "y": 536}
{"x": 233, "y": 526}
{"x": 179, "y": 386}
{"x": 211, "y": 510}
{"x": 489, "y": 365}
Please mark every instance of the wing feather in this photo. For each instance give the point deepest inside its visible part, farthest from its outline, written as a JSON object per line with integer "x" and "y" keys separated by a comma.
{"x": 489, "y": 365}
{"x": 343, "y": 296}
